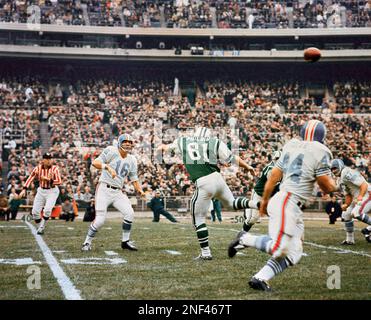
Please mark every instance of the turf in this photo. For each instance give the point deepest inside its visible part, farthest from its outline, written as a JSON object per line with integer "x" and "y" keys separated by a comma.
{"x": 153, "y": 273}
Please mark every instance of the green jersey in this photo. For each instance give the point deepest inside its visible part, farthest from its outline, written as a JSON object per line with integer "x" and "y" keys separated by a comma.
{"x": 201, "y": 155}
{"x": 259, "y": 187}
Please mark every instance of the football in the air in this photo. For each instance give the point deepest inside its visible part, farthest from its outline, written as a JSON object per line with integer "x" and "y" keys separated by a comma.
{"x": 312, "y": 54}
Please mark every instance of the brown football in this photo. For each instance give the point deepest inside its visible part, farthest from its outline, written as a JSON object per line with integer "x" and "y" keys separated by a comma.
{"x": 312, "y": 54}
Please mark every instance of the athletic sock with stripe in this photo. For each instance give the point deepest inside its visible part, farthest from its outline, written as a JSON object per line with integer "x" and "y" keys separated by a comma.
{"x": 272, "y": 268}
{"x": 203, "y": 238}
{"x": 91, "y": 234}
{"x": 244, "y": 203}
{"x": 262, "y": 243}
{"x": 126, "y": 228}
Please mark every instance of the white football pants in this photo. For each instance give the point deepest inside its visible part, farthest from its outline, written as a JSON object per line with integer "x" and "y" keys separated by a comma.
{"x": 104, "y": 197}
{"x": 45, "y": 198}
{"x": 286, "y": 226}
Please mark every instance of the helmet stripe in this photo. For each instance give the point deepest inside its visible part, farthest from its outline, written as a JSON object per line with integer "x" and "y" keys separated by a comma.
{"x": 308, "y": 129}
{"x": 306, "y": 132}
{"x": 313, "y": 130}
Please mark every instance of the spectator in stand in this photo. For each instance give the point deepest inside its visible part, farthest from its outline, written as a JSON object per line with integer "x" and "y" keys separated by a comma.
{"x": 15, "y": 201}
{"x": 67, "y": 211}
{"x": 333, "y": 209}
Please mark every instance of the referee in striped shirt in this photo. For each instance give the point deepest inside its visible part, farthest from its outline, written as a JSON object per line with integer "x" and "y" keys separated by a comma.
{"x": 47, "y": 193}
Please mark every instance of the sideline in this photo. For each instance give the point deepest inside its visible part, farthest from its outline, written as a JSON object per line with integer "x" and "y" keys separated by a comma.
{"x": 69, "y": 290}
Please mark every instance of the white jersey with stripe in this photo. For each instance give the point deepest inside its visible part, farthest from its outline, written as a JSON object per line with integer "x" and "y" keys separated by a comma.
{"x": 124, "y": 167}
{"x": 352, "y": 180}
{"x": 301, "y": 162}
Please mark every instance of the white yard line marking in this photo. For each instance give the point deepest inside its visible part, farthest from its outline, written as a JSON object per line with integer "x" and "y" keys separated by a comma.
{"x": 107, "y": 228}
{"x": 13, "y": 227}
{"x": 111, "y": 253}
{"x": 173, "y": 252}
{"x": 70, "y": 228}
{"x": 340, "y": 250}
{"x": 68, "y": 289}
{"x": 19, "y": 262}
{"x": 94, "y": 261}
{"x": 59, "y": 251}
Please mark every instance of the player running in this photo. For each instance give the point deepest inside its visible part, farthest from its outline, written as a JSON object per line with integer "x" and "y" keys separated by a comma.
{"x": 47, "y": 193}
{"x": 116, "y": 164}
{"x": 201, "y": 154}
{"x": 357, "y": 199}
{"x": 301, "y": 164}
{"x": 252, "y": 216}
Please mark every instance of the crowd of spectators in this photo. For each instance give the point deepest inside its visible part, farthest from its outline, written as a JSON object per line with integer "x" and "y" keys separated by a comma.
{"x": 193, "y": 13}
{"x": 188, "y": 14}
{"x": 254, "y": 118}
{"x": 353, "y": 97}
{"x": 252, "y": 14}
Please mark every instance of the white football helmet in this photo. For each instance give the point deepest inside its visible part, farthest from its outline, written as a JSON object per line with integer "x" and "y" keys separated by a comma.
{"x": 202, "y": 132}
{"x": 276, "y": 155}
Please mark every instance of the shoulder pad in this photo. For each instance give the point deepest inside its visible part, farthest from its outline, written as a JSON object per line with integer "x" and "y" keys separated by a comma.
{"x": 347, "y": 174}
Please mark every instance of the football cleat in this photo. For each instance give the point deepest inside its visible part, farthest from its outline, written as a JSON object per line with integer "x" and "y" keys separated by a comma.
{"x": 86, "y": 247}
{"x": 235, "y": 245}
{"x": 128, "y": 245}
{"x": 259, "y": 284}
{"x": 367, "y": 234}
{"x": 40, "y": 230}
{"x": 347, "y": 243}
{"x": 203, "y": 258}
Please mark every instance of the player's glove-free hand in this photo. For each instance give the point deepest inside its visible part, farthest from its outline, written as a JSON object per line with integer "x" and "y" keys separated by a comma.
{"x": 111, "y": 171}
{"x": 263, "y": 207}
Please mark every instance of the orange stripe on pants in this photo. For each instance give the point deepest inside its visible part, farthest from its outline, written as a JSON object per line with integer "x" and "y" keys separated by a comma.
{"x": 364, "y": 203}
{"x": 282, "y": 229}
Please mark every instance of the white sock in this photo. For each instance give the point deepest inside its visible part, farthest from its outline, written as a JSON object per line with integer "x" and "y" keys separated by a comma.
{"x": 91, "y": 234}
{"x": 206, "y": 251}
{"x": 350, "y": 236}
{"x": 42, "y": 223}
{"x": 266, "y": 273}
{"x": 88, "y": 240}
{"x": 125, "y": 236}
{"x": 253, "y": 204}
{"x": 248, "y": 240}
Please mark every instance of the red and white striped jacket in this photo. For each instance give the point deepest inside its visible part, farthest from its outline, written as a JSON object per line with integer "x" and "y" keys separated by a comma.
{"x": 52, "y": 173}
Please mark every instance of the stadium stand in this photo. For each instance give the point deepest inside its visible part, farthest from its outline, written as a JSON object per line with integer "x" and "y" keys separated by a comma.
{"x": 85, "y": 116}
{"x": 191, "y": 13}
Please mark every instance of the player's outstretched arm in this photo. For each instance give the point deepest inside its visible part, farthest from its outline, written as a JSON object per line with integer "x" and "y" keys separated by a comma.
{"x": 362, "y": 192}
{"x": 326, "y": 183}
{"x": 102, "y": 166}
{"x": 274, "y": 178}
{"x": 138, "y": 188}
{"x": 242, "y": 164}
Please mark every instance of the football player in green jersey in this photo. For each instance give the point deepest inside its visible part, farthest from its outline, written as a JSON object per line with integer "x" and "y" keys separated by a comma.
{"x": 252, "y": 216}
{"x": 201, "y": 154}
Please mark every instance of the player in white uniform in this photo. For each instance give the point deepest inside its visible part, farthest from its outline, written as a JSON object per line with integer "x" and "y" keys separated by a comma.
{"x": 116, "y": 164}
{"x": 301, "y": 164}
{"x": 357, "y": 199}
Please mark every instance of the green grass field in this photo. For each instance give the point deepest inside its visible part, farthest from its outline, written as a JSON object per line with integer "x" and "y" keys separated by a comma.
{"x": 153, "y": 273}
